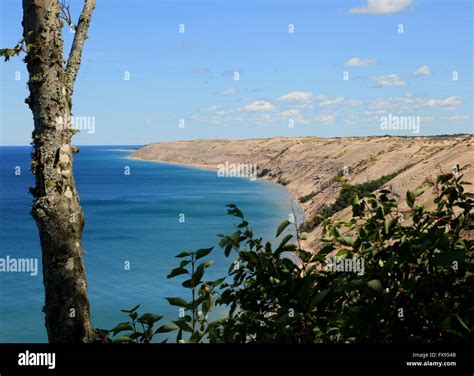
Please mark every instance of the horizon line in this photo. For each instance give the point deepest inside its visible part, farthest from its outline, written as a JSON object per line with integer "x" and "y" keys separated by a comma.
{"x": 266, "y": 138}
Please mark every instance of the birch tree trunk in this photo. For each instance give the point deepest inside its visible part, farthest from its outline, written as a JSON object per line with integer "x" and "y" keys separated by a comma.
{"x": 56, "y": 207}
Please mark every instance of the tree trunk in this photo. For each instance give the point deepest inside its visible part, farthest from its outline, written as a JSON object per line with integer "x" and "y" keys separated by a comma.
{"x": 56, "y": 208}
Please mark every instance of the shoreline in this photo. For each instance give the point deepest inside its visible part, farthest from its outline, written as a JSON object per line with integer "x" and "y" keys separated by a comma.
{"x": 309, "y": 166}
{"x": 208, "y": 167}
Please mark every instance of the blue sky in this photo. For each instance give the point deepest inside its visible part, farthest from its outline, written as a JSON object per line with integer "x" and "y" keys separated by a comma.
{"x": 290, "y": 84}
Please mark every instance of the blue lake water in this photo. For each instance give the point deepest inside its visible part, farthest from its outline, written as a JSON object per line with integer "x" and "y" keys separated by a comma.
{"x": 129, "y": 218}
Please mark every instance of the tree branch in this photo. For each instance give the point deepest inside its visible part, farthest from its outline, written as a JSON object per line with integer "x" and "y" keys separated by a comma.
{"x": 74, "y": 60}
{"x": 65, "y": 14}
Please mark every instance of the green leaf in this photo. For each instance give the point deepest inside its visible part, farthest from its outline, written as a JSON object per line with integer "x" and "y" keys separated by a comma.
{"x": 196, "y": 277}
{"x": 227, "y": 250}
{"x": 282, "y": 226}
{"x": 177, "y": 271}
{"x": 376, "y": 285}
{"x": 355, "y": 200}
{"x": 341, "y": 253}
{"x": 235, "y": 211}
{"x": 179, "y": 302}
{"x": 184, "y": 326}
{"x": 335, "y": 232}
{"x": 217, "y": 282}
{"x": 285, "y": 240}
{"x": 346, "y": 240}
{"x": 389, "y": 225}
{"x": 165, "y": 329}
{"x": 420, "y": 191}
{"x": 183, "y": 254}
{"x": 149, "y": 318}
{"x": 203, "y": 252}
{"x": 234, "y": 238}
{"x": 410, "y": 199}
{"x": 130, "y": 310}
{"x": 123, "y": 339}
{"x": 121, "y": 327}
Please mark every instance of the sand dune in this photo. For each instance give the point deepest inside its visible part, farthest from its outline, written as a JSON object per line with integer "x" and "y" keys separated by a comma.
{"x": 309, "y": 164}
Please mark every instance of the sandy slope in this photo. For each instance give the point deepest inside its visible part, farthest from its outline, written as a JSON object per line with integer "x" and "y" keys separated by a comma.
{"x": 307, "y": 164}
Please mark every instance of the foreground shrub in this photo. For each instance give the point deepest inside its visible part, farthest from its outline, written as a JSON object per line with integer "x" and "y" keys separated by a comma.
{"x": 400, "y": 276}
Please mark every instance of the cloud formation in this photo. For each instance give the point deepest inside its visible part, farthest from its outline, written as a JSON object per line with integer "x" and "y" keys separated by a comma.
{"x": 388, "y": 81}
{"x": 296, "y": 96}
{"x": 356, "y": 62}
{"x": 259, "y": 106}
{"x": 342, "y": 101}
{"x": 422, "y": 71}
{"x": 290, "y": 113}
{"x": 375, "y": 7}
{"x": 448, "y": 103}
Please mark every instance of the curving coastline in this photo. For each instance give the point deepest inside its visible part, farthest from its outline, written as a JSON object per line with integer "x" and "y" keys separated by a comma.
{"x": 307, "y": 166}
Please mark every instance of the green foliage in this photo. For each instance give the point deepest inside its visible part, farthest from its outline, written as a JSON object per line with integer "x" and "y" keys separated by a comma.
{"x": 344, "y": 199}
{"x": 193, "y": 322}
{"x": 415, "y": 285}
{"x": 136, "y": 330}
{"x": 7, "y": 53}
{"x": 308, "y": 197}
{"x": 264, "y": 172}
{"x": 284, "y": 181}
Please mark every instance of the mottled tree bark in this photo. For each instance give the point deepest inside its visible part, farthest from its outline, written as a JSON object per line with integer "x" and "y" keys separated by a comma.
{"x": 56, "y": 208}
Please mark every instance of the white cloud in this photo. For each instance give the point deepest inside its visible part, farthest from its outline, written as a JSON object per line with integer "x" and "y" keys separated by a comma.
{"x": 422, "y": 71}
{"x": 381, "y": 104}
{"x": 229, "y": 92}
{"x": 296, "y": 96}
{"x": 409, "y": 102}
{"x": 258, "y": 106}
{"x": 388, "y": 81}
{"x": 358, "y": 62}
{"x": 382, "y": 7}
{"x": 322, "y": 97}
{"x": 448, "y": 103}
{"x": 290, "y": 113}
{"x": 327, "y": 101}
{"x": 325, "y": 118}
{"x": 456, "y": 118}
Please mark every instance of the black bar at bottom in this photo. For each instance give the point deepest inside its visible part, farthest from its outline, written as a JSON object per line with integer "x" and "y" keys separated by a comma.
{"x": 445, "y": 359}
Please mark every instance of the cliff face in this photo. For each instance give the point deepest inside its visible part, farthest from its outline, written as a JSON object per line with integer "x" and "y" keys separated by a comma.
{"x": 308, "y": 165}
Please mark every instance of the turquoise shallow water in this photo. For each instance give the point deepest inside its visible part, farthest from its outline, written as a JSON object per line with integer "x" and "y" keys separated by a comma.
{"x": 132, "y": 218}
